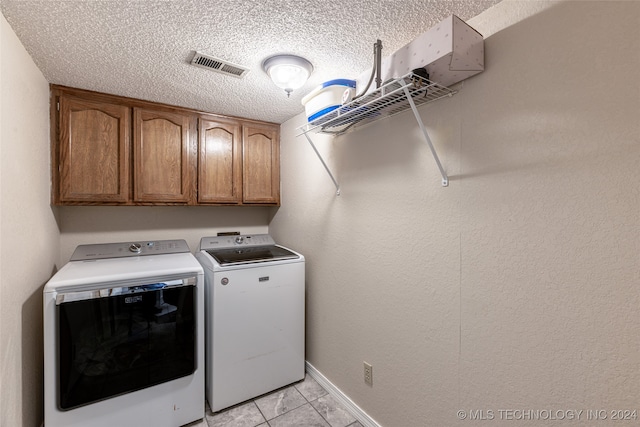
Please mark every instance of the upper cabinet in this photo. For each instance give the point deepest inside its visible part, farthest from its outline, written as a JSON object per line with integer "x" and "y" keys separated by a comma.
{"x": 261, "y": 164}
{"x": 219, "y": 161}
{"x": 93, "y": 151}
{"x": 109, "y": 150}
{"x": 163, "y": 157}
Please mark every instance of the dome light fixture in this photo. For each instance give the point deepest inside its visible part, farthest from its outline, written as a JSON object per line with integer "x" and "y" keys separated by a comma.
{"x": 289, "y": 72}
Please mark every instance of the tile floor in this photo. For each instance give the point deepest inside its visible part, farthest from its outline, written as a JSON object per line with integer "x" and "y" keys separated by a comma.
{"x": 302, "y": 404}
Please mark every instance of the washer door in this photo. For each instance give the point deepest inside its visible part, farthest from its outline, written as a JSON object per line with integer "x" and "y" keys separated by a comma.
{"x": 118, "y": 340}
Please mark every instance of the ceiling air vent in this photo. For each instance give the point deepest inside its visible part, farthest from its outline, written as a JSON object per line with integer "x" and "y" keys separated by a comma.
{"x": 219, "y": 65}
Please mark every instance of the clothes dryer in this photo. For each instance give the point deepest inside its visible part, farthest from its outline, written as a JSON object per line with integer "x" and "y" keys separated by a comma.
{"x": 124, "y": 337}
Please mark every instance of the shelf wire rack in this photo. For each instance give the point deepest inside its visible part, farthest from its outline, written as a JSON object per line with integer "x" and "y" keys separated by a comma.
{"x": 395, "y": 96}
{"x": 392, "y": 98}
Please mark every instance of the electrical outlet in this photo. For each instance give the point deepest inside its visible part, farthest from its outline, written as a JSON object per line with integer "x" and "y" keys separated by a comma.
{"x": 368, "y": 374}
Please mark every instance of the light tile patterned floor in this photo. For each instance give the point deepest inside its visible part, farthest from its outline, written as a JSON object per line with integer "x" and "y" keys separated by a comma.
{"x": 303, "y": 404}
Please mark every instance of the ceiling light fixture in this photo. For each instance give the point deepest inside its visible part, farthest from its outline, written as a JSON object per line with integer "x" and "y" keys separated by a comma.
{"x": 288, "y": 72}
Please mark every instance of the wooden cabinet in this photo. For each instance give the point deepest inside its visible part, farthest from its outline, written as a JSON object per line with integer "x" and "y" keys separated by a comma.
{"x": 162, "y": 157}
{"x": 93, "y": 163}
{"x": 220, "y": 161}
{"x": 261, "y": 164}
{"x": 109, "y": 150}
{"x": 239, "y": 162}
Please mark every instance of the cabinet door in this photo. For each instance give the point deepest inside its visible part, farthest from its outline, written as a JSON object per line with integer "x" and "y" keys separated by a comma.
{"x": 261, "y": 164}
{"x": 162, "y": 157}
{"x": 220, "y": 162}
{"x": 94, "y": 151}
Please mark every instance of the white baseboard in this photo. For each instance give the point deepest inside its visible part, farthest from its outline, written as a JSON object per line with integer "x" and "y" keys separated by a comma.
{"x": 334, "y": 391}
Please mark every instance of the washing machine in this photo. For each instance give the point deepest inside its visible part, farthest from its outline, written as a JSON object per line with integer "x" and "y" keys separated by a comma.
{"x": 124, "y": 337}
{"x": 254, "y": 322}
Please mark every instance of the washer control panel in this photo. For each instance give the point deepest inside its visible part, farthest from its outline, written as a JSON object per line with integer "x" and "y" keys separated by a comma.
{"x": 222, "y": 242}
{"x": 129, "y": 249}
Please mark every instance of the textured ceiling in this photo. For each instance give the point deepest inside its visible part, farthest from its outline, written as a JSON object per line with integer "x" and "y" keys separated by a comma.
{"x": 142, "y": 48}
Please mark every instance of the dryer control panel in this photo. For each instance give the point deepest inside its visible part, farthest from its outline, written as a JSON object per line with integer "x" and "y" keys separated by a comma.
{"x": 129, "y": 249}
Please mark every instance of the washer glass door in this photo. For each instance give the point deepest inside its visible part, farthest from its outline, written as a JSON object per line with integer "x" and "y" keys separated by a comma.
{"x": 121, "y": 339}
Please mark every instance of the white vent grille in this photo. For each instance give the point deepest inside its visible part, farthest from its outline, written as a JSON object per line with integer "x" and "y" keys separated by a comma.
{"x": 218, "y": 65}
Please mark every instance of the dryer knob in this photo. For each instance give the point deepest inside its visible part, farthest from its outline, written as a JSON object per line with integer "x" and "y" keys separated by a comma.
{"x": 239, "y": 240}
{"x": 135, "y": 248}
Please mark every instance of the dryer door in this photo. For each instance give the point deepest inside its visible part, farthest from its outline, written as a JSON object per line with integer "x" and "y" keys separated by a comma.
{"x": 121, "y": 339}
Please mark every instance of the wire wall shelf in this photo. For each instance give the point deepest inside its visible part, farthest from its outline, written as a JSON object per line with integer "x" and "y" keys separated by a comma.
{"x": 394, "y": 97}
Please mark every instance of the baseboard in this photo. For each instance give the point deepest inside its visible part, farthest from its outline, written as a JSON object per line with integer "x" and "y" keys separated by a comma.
{"x": 334, "y": 391}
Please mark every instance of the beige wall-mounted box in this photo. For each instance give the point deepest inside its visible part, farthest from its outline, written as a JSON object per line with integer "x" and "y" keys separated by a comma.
{"x": 451, "y": 51}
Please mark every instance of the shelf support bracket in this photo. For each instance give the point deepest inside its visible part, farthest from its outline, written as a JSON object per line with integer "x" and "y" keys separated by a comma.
{"x": 445, "y": 178}
{"x": 324, "y": 164}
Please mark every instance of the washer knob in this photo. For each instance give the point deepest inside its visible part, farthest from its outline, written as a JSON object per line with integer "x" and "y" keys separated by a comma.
{"x": 239, "y": 240}
{"x": 135, "y": 248}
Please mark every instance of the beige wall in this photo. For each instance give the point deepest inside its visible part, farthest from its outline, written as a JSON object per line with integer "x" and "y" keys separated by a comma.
{"x": 82, "y": 225}
{"x": 29, "y": 233}
{"x": 516, "y": 287}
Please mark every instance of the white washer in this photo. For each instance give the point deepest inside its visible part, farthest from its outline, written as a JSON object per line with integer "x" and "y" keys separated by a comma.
{"x": 124, "y": 337}
{"x": 254, "y": 291}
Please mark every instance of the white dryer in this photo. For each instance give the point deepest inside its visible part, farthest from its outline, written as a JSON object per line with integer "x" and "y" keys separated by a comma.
{"x": 254, "y": 304}
{"x": 124, "y": 337}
